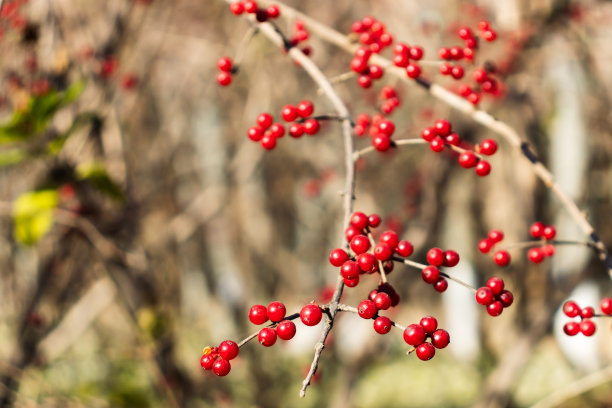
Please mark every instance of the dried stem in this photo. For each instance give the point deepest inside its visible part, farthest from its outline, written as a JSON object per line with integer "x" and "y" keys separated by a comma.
{"x": 446, "y": 275}
{"x": 400, "y": 142}
{"x": 346, "y": 308}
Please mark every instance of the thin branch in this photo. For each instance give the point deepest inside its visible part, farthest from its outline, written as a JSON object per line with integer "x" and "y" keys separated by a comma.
{"x": 399, "y": 142}
{"x": 421, "y": 266}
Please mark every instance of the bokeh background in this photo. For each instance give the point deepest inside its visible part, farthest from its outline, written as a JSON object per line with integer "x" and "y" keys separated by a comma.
{"x": 139, "y": 224}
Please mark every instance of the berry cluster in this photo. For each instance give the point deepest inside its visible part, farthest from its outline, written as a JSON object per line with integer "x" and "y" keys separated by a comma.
{"x": 585, "y": 326}
{"x": 276, "y": 311}
{"x": 218, "y": 359}
{"x": 416, "y": 335}
{"x": 379, "y": 128}
{"x": 226, "y": 69}
{"x": 546, "y": 233}
{"x": 390, "y": 100}
{"x": 484, "y": 83}
{"x": 251, "y": 7}
{"x": 431, "y": 274}
{"x": 367, "y": 72}
{"x": 402, "y": 54}
{"x": 441, "y": 135}
{"x": 501, "y": 257}
{"x": 266, "y": 132}
{"x": 301, "y": 35}
{"x": 372, "y": 33}
{"x": 494, "y": 296}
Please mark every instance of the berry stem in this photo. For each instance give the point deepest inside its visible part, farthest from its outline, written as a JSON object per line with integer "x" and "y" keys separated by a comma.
{"x": 400, "y": 142}
{"x": 243, "y": 46}
{"x": 346, "y": 308}
{"x": 326, "y": 117}
{"x": 381, "y": 268}
{"x": 446, "y": 275}
{"x": 529, "y": 244}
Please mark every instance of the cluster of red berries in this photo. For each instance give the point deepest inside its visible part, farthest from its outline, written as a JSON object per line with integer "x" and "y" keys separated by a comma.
{"x": 372, "y": 33}
{"x": 301, "y": 35}
{"x": 367, "y": 72}
{"x": 10, "y": 11}
{"x": 486, "y": 32}
{"x": 402, "y": 54}
{"x": 226, "y": 68}
{"x": 276, "y": 311}
{"x": 379, "y": 128}
{"x": 431, "y": 274}
{"x": 546, "y": 233}
{"x": 266, "y": 132}
{"x": 494, "y": 296}
{"x": 218, "y": 359}
{"x": 441, "y": 134}
{"x": 485, "y": 83}
{"x": 390, "y": 100}
{"x": 585, "y": 326}
{"x": 501, "y": 257}
{"x": 416, "y": 335}
{"x": 251, "y": 7}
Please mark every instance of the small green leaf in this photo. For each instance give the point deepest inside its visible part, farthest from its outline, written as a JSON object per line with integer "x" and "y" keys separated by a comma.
{"x": 96, "y": 174}
{"x": 33, "y": 215}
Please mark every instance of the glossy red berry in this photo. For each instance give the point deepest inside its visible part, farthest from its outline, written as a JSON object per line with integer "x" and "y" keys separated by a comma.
{"x": 366, "y": 261}
{"x": 360, "y": 244}
{"x": 446, "y": 68}
{"x": 430, "y": 274}
{"x": 351, "y": 232}
{"x": 276, "y": 311}
{"x": 429, "y": 323}
{"x": 381, "y": 142}
{"x": 364, "y": 81}
{"x": 382, "y": 252}
{"x": 250, "y": 6}
{"x": 350, "y": 270}
{"x": 305, "y": 108}
{"x": 571, "y": 328}
{"x": 258, "y": 314}
{"x": 286, "y": 330}
{"x": 225, "y": 64}
{"x": 413, "y": 71}
{"x": 489, "y": 35}
{"x": 441, "y": 285}
{"x": 484, "y": 296}
{"x": 428, "y": 134}
{"x": 606, "y": 305}
{"x": 351, "y": 282}
{"x": 264, "y": 120}
{"x": 404, "y": 248}
{"x": 255, "y": 133}
{"x": 457, "y": 71}
{"x": 506, "y": 297}
{"x": 273, "y": 11}
{"x": 535, "y": 255}
{"x": 296, "y": 130}
{"x": 451, "y": 258}
{"x": 359, "y": 220}
{"x": 440, "y": 338}
{"x": 207, "y": 361}
{"x": 414, "y": 334}
{"x": 571, "y": 308}
{"x": 485, "y": 245}
{"x": 537, "y": 230}
{"x": 268, "y": 141}
{"x": 495, "y": 308}
{"x": 483, "y": 168}
{"x": 488, "y": 147}
{"x": 228, "y": 350}
{"x": 338, "y": 256}
{"x": 425, "y": 351}
{"x": 311, "y": 126}
{"x": 435, "y": 256}
{"x": 267, "y": 337}
{"x": 495, "y": 236}
{"x": 224, "y": 78}
{"x": 289, "y": 113}
{"x": 442, "y": 127}
{"x": 587, "y": 312}
{"x": 311, "y": 314}
{"x": 502, "y": 258}
{"x": 374, "y": 220}
{"x": 382, "y": 301}
{"x": 416, "y": 53}
{"x": 453, "y": 139}
{"x": 549, "y": 232}
{"x": 221, "y": 367}
{"x": 437, "y": 144}
{"x": 367, "y": 309}
{"x": 236, "y": 8}
{"x": 386, "y": 127}
{"x": 587, "y": 327}
{"x": 467, "y": 160}
{"x": 496, "y": 285}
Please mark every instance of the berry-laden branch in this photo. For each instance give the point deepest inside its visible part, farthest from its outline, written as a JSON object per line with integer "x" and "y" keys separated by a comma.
{"x": 412, "y": 73}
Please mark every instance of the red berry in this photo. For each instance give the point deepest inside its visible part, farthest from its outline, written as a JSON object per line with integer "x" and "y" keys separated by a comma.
{"x": 485, "y": 245}
{"x": 506, "y": 298}
{"x": 390, "y": 238}
{"x": 535, "y": 255}
{"x": 480, "y": 75}
{"x": 277, "y": 130}
{"x": 428, "y": 134}
{"x": 351, "y": 232}
{"x": 350, "y": 270}
{"x": 404, "y": 248}
{"x": 382, "y": 252}
{"x": 311, "y": 314}
{"x": 441, "y": 285}
{"x": 571, "y": 308}
{"x": 366, "y": 261}
{"x": 587, "y": 327}
{"x": 444, "y": 53}
{"x": 456, "y": 53}
{"x": 451, "y": 258}
{"x": 587, "y": 312}
{"x": 276, "y": 311}
{"x": 386, "y": 127}
{"x": 467, "y": 160}
{"x": 221, "y": 367}
{"x": 363, "y": 53}
{"x": 381, "y": 142}
{"x": 373, "y": 220}
{"x": 258, "y": 314}
{"x": 430, "y": 274}
{"x": 495, "y": 308}
{"x": 484, "y": 296}
{"x": 571, "y": 328}
{"x": 273, "y": 11}
{"x": 442, "y": 127}
{"x": 453, "y": 139}
{"x": 435, "y": 256}
{"x": 549, "y": 232}
{"x": 305, "y": 108}
{"x": 207, "y": 361}
{"x": 360, "y": 244}
{"x": 359, "y": 220}
{"x": 267, "y": 337}
{"x": 351, "y": 282}
{"x": 496, "y": 236}
{"x": 225, "y": 64}
{"x": 414, "y": 334}
{"x": 224, "y": 78}
{"x": 250, "y": 6}
{"x": 474, "y": 98}
{"x": 311, "y": 126}
{"x": 296, "y": 130}
{"x": 236, "y": 8}
{"x": 382, "y": 325}
{"x": 376, "y": 72}
{"x": 367, "y": 309}
{"x": 489, "y": 35}
{"x": 437, "y": 144}
{"x": 496, "y": 285}
{"x": 286, "y": 330}
{"x": 606, "y": 305}
{"x": 429, "y": 323}
{"x": 537, "y": 229}
{"x": 549, "y": 249}
{"x": 446, "y": 68}
{"x": 359, "y": 65}
{"x": 413, "y": 71}
{"x": 401, "y": 60}
{"x": 255, "y": 133}
{"x": 483, "y": 168}
{"x": 484, "y": 25}
{"x": 502, "y": 258}
{"x": 488, "y": 147}
{"x": 289, "y": 113}
{"x": 440, "y": 338}
{"x": 364, "y": 81}
{"x": 338, "y": 256}
{"x": 425, "y": 351}
{"x": 464, "y": 33}
{"x": 268, "y": 141}
{"x": 382, "y": 301}
{"x": 457, "y": 71}
{"x": 228, "y": 350}
{"x": 264, "y": 120}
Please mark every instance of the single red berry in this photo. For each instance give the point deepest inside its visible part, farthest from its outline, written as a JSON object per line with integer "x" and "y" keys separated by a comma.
{"x": 273, "y": 11}
{"x": 451, "y": 258}
{"x": 537, "y": 229}
{"x": 236, "y": 8}
{"x": 485, "y": 245}
{"x": 435, "y": 256}
{"x": 404, "y": 248}
{"x": 390, "y": 238}
{"x": 467, "y": 160}
{"x": 360, "y": 244}
{"x": 376, "y": 71}
{"x": 351, "y": 232}
{"x": 258, "y": 314}
{"x": 367, "y": 309}
{"x": 488, "y": 147}
{"x": 401, "y": 60}
{"x": 416, "y": 53}
{"x": 374, "y": 220}
{"x": 441, "y": 285}
{"x": 489, "y": 35}
{"x": 453, "y": 139}
{"x": 350, "y": 270}
{"x": 587, "y": 327}
{"x": 382, "y": 325}
{"x": 464, "y": 33}
{"x": 484, "y": 296}
{"x": 382, "y": 301}
{"x": 535, "y": 255}
{"x": 311, "y": 314}
{"x": 496, "y": 236}
{"x": 571, "y": 328}
{"x": 363, "y": 53}
{"x": 502, "y": 258}
{"x": 429, "y": 323}
{"x": 496, "y": 285}
{"x": 483, "y": 168}
{"x": 381, "y": 142}
{"x": 428, "y": 134}
{"x": 506, "y": 298}
{"x": 444, "y": 53}
{"x": 267, "y": 337}
{"x": 277, "y": 130}
{"x": 442, "y": 127}
{"x": 225, "y": 64}
{"x": 311, "y": 126}
{"x": 480, "y": 75}
{"x": 359, "y": 65}
{"x": 221, "y": 367}
{"x": 366, "y": 261}
{"x": 457, "y": 71}
{"x": 587, "y": 312}
{"x": 359, "y": 220}
{"x": 286, "y": 330}
{"x": 268, "y": 141}
{"x": 430, "y": 274}
{"x": 351, "y": 282}
{"x": 446, "y": 68}
{"x": 425, "y": 351}
{"x": 386, "y": 127}
{"x": 549, "y": 232}
{"x": 549, "y": 249}
{"x": 484, "y": 25}
{"x": 382, "y": 252}
{"x": 228, "y": 350}
{"x": 606, "y": 305}
{"x": 440, "y": 338}
{"x": 305, "y": 108}
{"x": 296, "y": 130}
{"x": 456, "y": 52}
{"x": 364, "y": 81}
{"x": 414, "y": 334}
{"x": 413, "y": 71}
{"x": 571, "y": 308}
{"x": 276, "y": 311}
{"x": 495, "y": 308}
{"x": 289, "y": 113}
{"x": 250, "y": 6}
{"x": 224, "y": 78}
{"x": 373, "y": 294}
{"x": 338, "y": 256}
{"x": 207, "y": 361}
{"x": 255, "y": 133}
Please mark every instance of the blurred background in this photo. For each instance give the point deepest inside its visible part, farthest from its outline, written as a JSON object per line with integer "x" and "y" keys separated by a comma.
{"x": 139, "y": 223}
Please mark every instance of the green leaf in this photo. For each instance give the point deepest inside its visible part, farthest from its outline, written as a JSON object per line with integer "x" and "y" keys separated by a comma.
{"x": 73, "y": 92}
{"x": 10, "y": 157}
{"x": 96, "y": 174}
{"x": 33, "y": 215}
{"x": 79, "y": 121}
